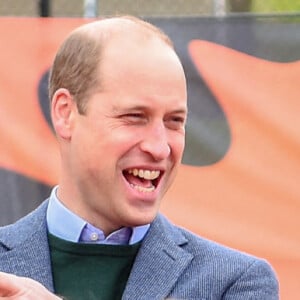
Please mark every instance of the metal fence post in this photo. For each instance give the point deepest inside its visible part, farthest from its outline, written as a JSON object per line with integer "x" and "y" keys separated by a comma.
{"x": 90, "y": 8}
{"x": 219, "y": 8}
{"x": 44, "y": 8}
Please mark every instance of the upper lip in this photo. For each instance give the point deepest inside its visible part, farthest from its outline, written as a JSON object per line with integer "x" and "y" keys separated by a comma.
{"x": 150, "y": 168}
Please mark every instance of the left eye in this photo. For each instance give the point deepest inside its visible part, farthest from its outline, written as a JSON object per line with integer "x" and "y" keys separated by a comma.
{"x": 175, "y": 123}
{"x": 178, "y": 120}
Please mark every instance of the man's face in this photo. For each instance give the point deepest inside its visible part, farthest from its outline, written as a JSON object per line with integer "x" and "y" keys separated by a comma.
{"x": 125, "y": 151}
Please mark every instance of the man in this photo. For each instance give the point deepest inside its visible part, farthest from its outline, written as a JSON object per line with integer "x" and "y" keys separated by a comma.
{"x": 119, "y": 107}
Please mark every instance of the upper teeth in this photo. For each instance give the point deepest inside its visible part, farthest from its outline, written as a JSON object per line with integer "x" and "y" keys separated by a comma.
{"x": 146, "y": 174}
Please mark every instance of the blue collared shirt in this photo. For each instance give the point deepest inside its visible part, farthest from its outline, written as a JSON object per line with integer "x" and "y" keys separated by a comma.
{"x": 66, "y": 225}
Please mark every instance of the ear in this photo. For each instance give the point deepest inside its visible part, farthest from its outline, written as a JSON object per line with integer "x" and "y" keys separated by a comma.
{"x": 63, "y": 109}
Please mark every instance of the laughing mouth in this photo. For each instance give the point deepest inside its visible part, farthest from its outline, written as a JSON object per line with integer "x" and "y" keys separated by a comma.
{"x": 142, "y": 180}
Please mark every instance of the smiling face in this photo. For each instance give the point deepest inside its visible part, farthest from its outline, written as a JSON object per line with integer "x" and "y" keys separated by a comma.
{"x": 121, "y": 156}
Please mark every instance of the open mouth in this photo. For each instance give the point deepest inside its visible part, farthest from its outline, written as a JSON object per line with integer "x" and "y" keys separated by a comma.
{"x": 142, "y": 180}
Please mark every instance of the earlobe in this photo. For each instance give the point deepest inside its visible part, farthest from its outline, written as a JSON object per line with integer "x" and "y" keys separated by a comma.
{"x": 62, "y": 110}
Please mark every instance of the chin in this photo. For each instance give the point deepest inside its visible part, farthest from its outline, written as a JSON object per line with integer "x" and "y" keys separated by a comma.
{"x": 141, "y": 219}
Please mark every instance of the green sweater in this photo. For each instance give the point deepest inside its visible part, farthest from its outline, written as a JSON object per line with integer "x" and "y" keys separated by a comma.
{"x": 90, "y": 271}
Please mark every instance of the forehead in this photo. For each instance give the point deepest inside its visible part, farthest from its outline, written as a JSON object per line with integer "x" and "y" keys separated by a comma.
{"x": 137, "y": 58}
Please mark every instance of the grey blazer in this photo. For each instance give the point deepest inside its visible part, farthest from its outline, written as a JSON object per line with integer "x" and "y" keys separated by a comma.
{"x": 172, "y": 263}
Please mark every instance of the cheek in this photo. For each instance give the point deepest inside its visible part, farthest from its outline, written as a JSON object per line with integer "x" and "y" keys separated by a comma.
{"x": 124, "y": 139}
{"x": 109, "y": 146}
{"x": 87, "y": 149}
{"x": 177, "y": 145}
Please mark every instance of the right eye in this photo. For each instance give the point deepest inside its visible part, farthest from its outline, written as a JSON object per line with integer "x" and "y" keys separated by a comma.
{"x": 135, "y": 118}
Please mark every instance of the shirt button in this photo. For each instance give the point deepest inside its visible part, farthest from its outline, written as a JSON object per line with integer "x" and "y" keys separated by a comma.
{"x": 94, "y": 236}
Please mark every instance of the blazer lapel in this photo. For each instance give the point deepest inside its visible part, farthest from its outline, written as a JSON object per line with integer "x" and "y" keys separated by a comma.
{"x": 27, "y": 248}
{"x": 160, "y": 261}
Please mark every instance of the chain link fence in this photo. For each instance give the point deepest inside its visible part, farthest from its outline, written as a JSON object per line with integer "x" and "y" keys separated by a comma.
{"x": 79, "y": 8}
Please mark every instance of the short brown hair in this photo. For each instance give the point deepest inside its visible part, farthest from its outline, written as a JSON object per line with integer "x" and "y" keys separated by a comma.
{"x": 76, "y": 64}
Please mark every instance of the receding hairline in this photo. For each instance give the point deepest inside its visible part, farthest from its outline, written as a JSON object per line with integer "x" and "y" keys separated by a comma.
{"x": 111, "y": 27}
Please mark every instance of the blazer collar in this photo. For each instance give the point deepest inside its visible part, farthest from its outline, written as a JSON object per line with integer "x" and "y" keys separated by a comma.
{"x": 159, "y": 263}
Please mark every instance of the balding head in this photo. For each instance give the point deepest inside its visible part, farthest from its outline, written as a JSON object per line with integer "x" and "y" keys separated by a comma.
{"x": 77, "y": 64}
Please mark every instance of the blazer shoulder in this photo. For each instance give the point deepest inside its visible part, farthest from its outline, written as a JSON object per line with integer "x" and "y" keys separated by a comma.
{"x": 15, "y": 234}
{"x": 193, "y": 243}
{"x": 239, "y": 266}
{"x": 212, "y": 250}
{"x": 216, "y": 270}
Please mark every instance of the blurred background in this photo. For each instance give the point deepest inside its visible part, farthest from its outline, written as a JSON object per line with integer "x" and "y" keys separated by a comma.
{"x": 78, "y": 8}
{"x": 239, "y": 184}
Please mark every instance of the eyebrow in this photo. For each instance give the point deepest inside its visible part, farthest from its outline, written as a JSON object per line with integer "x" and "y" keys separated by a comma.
{"x": 146, "y": 108}
{"x": 180, "y": 111}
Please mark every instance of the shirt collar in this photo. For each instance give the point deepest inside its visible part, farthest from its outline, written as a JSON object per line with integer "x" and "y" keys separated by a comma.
{"x": 66, "y": 225}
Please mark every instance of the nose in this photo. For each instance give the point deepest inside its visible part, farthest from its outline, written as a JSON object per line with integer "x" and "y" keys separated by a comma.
{"x": 155, "y": 142}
